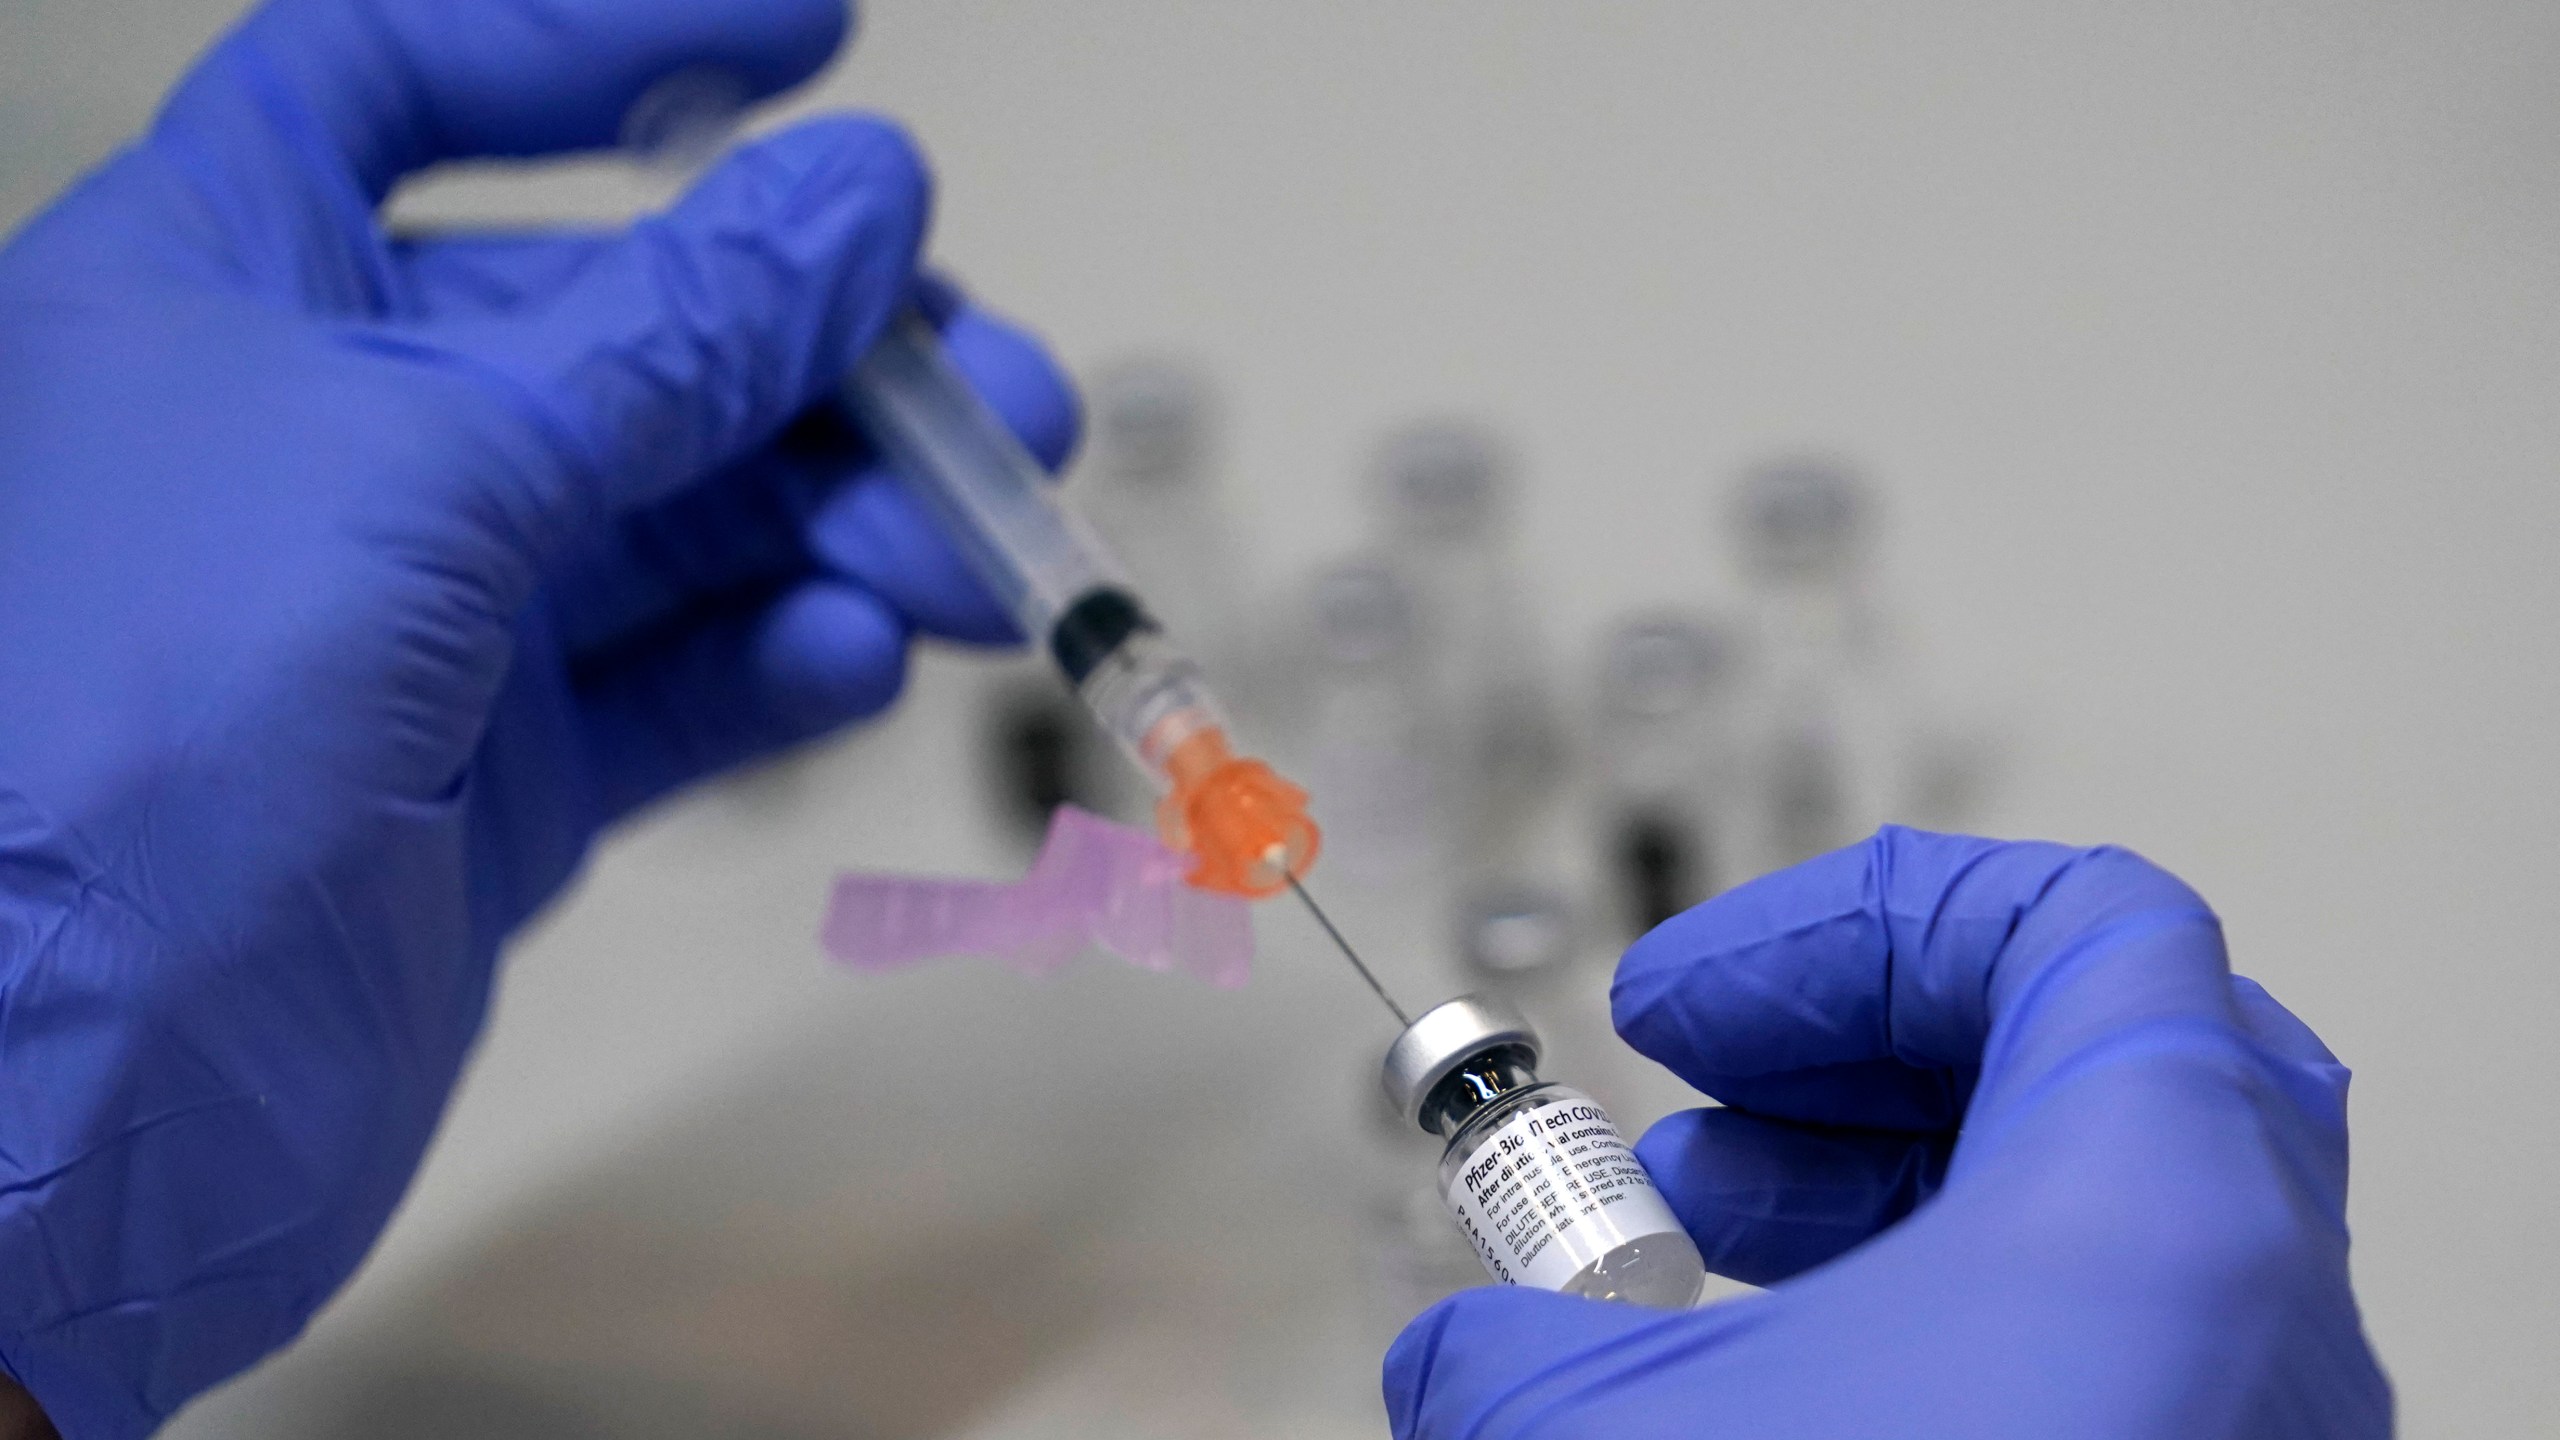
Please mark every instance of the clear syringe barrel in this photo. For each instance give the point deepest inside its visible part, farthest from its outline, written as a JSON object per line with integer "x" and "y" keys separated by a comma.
{"x": 1247, "y": 826}
{"x": 989, "y": 494}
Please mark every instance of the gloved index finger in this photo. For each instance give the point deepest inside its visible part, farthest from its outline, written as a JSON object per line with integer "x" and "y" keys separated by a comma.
{"x": 388, "y": 86}
{"x": 698, "y": 336}
{"x": 1871, "y": 986}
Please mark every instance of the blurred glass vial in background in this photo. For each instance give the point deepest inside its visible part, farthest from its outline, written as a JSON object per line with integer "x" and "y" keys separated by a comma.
{"x": 1828, "y": 729}
{"x": 1514, "y": 932}
{"x": 1444, "y": 493}
{"x": 1149, "y": 486}
{"x": 1374, "y": 754}
{"x": 1802, "y": 518}
{"x": 1664, "y": 706}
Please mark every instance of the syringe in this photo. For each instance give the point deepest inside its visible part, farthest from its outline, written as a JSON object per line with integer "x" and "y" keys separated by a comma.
{"x": 1247, "y": 827}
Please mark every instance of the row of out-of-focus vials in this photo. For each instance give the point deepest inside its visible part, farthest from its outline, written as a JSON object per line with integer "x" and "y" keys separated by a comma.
{"x": 1507, "y": 807}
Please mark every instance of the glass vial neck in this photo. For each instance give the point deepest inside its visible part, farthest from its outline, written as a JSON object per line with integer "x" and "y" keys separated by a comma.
{"x": 1486, "y": 1076}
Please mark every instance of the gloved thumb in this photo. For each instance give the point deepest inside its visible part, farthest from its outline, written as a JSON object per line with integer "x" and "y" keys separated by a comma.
{"x": 694, "y": 338}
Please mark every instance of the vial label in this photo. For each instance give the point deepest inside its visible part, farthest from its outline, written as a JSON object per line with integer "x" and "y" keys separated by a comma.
{"x": 1552, "y": 1190}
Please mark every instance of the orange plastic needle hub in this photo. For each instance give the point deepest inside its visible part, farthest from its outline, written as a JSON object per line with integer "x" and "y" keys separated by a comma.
{"x": 1247, "y": 827}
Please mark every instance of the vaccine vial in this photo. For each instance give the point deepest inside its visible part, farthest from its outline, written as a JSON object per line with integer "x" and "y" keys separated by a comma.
{"x": 1666, "y": 763}
{"x": 1536, "y": 1175}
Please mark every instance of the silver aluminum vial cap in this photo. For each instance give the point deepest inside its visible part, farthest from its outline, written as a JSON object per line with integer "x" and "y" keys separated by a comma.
{"x": 1441, "y": 1040}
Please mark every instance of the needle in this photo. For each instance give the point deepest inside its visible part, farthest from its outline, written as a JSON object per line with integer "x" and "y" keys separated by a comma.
{"x": 1348, "y": 953}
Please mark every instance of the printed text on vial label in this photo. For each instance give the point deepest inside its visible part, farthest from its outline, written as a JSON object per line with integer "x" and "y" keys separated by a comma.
{"x": 1552, "y": 1190}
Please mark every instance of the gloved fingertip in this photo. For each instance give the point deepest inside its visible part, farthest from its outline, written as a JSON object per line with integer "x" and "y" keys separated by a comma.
{"x": 834, "y": 26}
{"x": 1790, "y": 970}
{"x": 808, "y": 173}
{"x": 2303, "y": 1067}
{"x": 2279, "y": 1029}
{"x": 937, "y": 296}
{"x": 832, "y": 653}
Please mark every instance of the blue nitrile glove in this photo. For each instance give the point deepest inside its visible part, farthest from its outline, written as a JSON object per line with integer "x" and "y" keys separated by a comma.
{"x": 2018, "y": 1156}
{"x": 349, "y": 584}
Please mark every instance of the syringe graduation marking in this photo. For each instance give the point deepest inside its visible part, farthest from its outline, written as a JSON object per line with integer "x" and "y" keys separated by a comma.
{"x": 1350, "y": 954}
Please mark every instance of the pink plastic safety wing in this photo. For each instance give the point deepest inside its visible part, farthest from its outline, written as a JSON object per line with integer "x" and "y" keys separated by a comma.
{"x": 1096, "y": 885}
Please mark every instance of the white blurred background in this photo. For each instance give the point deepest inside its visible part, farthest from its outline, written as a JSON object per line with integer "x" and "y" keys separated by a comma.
{"x": 2203, "y": 361}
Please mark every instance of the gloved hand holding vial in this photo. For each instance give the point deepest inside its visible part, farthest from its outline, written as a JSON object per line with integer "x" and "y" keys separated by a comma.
{"x": 2016, "y": 1154}
{"x": 1535, "y": 1173}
